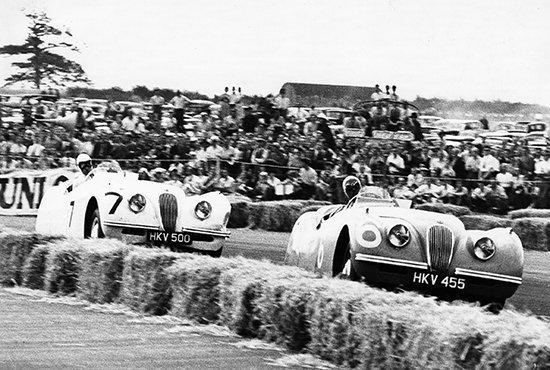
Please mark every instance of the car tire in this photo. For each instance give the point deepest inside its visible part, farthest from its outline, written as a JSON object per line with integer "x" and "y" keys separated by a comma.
{"x": 93, "y": 228}
{"x": 215, "y": 254}
{"x": 495, "y": 307}
{"x": 347, "y": 272}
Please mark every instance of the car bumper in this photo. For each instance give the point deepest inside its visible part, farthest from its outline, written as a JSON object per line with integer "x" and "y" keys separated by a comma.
{"x": 202, "y": 240}
{"x": 460, "y": 284}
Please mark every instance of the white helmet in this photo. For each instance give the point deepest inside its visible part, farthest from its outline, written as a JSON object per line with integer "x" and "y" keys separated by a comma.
{"x": 83, "y": 158}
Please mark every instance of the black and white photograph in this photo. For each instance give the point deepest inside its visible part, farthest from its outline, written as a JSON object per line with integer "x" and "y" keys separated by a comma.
{"x": 309, "y": 184}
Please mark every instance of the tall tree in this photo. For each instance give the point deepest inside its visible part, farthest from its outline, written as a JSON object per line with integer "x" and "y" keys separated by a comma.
{"x": 44, "y": 66}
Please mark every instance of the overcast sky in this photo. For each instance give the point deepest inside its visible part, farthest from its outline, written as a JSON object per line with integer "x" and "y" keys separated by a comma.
{"x": 450, "y": 49}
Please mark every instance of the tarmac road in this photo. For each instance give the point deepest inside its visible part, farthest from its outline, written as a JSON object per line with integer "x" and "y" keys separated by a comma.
{"x": 532, "y": 295}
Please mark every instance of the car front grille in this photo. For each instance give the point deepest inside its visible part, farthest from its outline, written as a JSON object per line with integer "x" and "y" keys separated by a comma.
{"x": 168, "y": 211}
{"x": 440, "y": 247}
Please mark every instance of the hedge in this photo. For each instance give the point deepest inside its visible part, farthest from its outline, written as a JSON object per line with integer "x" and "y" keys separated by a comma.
{"x": 345, "y": 322}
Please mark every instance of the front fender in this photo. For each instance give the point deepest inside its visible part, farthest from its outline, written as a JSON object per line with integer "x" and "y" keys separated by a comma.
{"x": 508, "y": 258}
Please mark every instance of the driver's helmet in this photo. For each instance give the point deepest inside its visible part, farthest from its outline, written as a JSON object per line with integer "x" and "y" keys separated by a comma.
{"x": 351, "y": 186}
{"x": 83, "y": 160}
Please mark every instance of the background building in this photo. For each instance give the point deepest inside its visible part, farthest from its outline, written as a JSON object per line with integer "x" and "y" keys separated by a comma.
{"x": 326, "y": 95}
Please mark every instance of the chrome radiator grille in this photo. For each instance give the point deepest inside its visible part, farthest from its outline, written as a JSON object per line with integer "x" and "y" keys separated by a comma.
{"x": 440, "y": 247}
{"x": 168, "y": 211}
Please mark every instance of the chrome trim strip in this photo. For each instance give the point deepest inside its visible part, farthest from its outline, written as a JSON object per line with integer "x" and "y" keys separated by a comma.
{"x": 391, "y": 261}
{"x": 488, "y": 275}
{"x": 225, "y": 234}
{"x": 124, "y": 224}
{"x": 206, "y": 231}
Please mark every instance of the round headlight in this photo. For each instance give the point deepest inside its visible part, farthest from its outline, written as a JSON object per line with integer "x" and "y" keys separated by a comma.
{"x": 399, "y": 236}
{"x": 484, "y": 249}
{"x": 203, "y": 210}
{"x": 136, "y": 203}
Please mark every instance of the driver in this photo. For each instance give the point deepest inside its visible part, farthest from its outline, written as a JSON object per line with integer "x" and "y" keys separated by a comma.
{"x": 84, "y": 163}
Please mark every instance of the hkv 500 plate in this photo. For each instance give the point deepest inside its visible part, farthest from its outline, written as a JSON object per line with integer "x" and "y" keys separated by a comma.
{"x": 440, "y": 281}
{"x": 171, "y": 238}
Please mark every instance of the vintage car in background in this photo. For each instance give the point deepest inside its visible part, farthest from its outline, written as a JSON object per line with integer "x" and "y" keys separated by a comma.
{"x": 112, "y": 203}
{"x": 372, "y": 239}
{"x": 460, "y": 127}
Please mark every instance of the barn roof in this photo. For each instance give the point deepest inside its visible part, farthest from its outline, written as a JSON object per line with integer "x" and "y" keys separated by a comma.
{"x": 329, "y": 91}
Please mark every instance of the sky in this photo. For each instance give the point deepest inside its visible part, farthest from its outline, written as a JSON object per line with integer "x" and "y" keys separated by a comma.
{"x": 488, "y": 50}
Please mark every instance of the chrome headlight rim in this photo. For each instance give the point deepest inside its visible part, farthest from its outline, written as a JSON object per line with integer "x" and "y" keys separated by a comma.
{"x": 137, "y": 203}
{"x": 399, "y": 236}
{"x": 484, "y": 248}
{"x": 203, "y": 210}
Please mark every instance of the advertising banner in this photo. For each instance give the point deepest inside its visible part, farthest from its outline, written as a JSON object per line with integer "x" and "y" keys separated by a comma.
{"x": 22, "y": 191}
{"x": 389, "y": 135}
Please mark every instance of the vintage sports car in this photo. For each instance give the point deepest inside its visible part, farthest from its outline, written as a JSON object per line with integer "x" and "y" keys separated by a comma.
{"x": 113, "y": 203}
{"x": 374, "y": 240}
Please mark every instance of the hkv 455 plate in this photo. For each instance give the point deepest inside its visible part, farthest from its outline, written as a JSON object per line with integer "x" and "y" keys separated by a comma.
{"x": 170, "y": 238}
{"x": 439, "y": 281}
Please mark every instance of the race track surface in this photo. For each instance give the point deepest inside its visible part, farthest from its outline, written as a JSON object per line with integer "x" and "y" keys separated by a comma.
{"x": 533, "y": 295}
{"x": 38, "y": 332}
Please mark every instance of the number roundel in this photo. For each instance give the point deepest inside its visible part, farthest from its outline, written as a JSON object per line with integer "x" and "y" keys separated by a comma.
{"x": 368, "y": 236}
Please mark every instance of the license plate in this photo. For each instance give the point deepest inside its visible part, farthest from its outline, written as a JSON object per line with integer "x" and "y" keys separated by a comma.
{"x": 440, "y": 281}
{"x": 169, "y": 238}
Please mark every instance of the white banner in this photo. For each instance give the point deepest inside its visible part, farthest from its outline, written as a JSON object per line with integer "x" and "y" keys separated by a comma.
{"x": 393, "y": 135}
{"x": 22, "y": 191}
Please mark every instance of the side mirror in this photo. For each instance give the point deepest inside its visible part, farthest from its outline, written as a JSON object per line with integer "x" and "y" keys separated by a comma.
{"x": 351, "y": 186}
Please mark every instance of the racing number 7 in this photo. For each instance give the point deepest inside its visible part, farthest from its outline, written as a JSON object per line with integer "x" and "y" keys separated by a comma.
{"x": 117, "y": 201}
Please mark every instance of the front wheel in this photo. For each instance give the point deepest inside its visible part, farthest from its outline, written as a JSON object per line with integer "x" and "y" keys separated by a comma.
{"x": 343, "y": 266}
{"x": 93, "y": 228}
{"x": 215, "y": 254}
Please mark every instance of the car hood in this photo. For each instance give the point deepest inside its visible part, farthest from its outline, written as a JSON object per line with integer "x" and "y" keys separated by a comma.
{"x": 420, "y": 219}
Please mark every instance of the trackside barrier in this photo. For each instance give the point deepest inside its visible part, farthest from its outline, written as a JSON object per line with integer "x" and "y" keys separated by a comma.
{"x": 347, "y": 323}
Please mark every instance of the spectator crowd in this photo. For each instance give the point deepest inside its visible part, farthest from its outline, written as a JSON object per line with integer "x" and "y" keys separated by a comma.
{"x": 267, "y": 151}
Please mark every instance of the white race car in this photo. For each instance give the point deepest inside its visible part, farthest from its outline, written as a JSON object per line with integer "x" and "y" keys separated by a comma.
{"x": 112, "y": 203}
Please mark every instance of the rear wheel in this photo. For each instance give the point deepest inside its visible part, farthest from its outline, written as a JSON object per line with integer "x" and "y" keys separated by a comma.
{"x": 93, "y": 228}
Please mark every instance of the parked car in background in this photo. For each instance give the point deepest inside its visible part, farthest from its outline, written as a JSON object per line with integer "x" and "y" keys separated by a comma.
{"x": 371, "y": 239}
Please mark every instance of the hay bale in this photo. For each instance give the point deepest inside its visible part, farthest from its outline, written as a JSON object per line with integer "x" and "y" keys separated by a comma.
{"x": 529, "y": 212}
{"x": 195, "y": 286}
{"x": 242, "y": 287}
{"x": 277, "y": 215}
{"x": 484, "y": 222}
{"x": 534, "y": 232}
{"x": 63, "y": 265}
{"x": 239, "y": 211}
{"x": 101, "y": 273}
{"x": 35, "y": 267}
{"x": 145, "y": 284}
{"x": 449, "y": 209}
{"x": 14, "y": 250}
